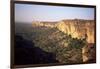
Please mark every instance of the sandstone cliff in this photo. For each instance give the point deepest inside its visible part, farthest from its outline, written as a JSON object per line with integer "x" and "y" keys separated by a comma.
{"x": 76, "y": 28}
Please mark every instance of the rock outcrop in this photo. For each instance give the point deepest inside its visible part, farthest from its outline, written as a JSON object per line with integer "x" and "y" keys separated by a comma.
{"x": 78, "y": 29}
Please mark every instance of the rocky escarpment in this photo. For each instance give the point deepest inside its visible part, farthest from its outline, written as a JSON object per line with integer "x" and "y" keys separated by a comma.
{"x": 76, "y": 28}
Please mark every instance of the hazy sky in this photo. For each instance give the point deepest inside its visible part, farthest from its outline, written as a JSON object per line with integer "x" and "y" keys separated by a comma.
{"x": 29, "y": 13}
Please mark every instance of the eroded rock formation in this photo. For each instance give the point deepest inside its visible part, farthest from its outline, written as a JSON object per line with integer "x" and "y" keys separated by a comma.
{"x": 78, "y": 28}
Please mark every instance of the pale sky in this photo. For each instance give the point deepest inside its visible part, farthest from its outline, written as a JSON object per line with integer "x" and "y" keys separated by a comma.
{"x": 31, "y": 12}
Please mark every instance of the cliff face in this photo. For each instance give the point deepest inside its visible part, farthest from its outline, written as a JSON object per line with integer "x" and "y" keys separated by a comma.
{"x": 75, "y": 28}
{"x": 78, "y": 29}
